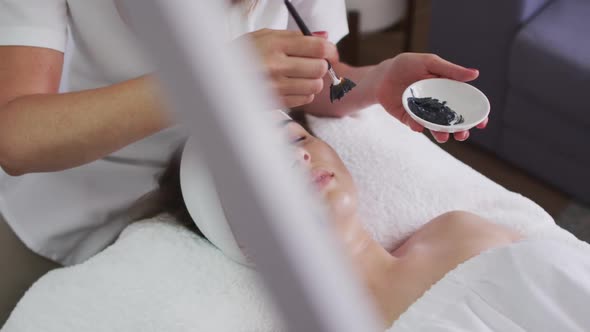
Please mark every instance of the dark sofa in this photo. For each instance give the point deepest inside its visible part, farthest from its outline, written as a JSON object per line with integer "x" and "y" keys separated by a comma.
{"x": 534, "y": 57}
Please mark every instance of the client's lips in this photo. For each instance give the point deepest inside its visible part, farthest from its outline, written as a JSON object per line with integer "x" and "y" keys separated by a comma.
{"x": 321, "y": 177}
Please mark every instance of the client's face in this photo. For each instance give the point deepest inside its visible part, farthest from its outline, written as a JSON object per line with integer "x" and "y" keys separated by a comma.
{"x": 326, "y": 170}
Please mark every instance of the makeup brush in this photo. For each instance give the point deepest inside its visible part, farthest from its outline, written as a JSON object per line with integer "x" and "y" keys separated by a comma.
{"x": 340, "y": 86}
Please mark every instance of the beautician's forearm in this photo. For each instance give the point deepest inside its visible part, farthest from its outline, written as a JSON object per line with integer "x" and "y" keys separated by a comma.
{"x": 41, "y": 133}
{"x": 360, "y": 97}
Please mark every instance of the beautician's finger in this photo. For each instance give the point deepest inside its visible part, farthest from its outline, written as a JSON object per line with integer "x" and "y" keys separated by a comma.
{"x": 483, "y": 124}
{"x": 292, "y": 33}
{"x": 440, "y": 137}
{"x": 296, "y": 101}
{"x": 294, "y": 43}
{"x": 415, "y": 126}
{"x": 443, "y": 68}
{"x": 408, "y": 121}
{"x": 311, "y": 47}
{"x": 298, "y": 67}
{"x": 299, "y": 86}
{"x": 461, "y": 136}
{"x": 276, "y": 33}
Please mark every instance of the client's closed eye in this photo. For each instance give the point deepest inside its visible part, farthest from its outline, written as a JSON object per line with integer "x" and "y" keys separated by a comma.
{"x": 299, "y": 139}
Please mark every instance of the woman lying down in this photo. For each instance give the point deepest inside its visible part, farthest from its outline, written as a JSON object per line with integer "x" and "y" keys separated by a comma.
{"x": 458, "y": 272}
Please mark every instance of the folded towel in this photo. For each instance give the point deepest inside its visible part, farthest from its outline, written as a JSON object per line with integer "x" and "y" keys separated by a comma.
{"x": 159, "y": 277}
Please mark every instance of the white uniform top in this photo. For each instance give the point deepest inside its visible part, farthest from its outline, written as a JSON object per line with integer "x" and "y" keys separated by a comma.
{"x": 70, "y": 215}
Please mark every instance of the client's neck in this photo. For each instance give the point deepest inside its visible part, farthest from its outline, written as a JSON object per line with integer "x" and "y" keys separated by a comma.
{"x": 375, "y": 265}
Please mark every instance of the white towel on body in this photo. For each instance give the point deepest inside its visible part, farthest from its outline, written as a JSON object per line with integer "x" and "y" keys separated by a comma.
{"x": 534, "y": 285}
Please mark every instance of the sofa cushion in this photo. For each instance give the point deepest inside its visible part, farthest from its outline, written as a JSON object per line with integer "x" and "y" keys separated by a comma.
{"x": 550, "y": 59}
{"x": 553, "y": 133}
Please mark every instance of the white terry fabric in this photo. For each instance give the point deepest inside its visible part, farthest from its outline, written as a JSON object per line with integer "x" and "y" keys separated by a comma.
{"x": 538, "y": 285}
{"x": 68, "y": 216}
{"x": 405, "y": 180}
{"x": 158, "y": 278}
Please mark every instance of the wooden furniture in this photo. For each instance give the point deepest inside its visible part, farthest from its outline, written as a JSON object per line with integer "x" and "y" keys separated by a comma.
{"x": 351, "y": 45}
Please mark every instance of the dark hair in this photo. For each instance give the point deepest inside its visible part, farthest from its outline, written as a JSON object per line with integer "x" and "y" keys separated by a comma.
{"x": 170, "y": 193}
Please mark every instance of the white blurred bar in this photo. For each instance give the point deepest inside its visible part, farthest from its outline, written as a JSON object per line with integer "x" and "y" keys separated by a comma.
{"x": 267, "y": 205}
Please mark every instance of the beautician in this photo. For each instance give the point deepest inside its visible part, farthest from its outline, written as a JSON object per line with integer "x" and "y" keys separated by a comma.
{"x": 83, "y": 132}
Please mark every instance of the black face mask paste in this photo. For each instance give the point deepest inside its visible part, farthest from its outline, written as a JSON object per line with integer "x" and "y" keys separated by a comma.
{"x": 435, "y": 111}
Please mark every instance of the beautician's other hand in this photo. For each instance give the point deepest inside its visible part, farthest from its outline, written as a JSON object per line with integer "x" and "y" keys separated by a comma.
{"x": 400, "y": 72}
{"x": 295, "y": 63}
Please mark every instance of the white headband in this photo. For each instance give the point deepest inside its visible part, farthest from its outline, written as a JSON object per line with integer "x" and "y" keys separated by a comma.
{"x": 203, "y": 204}
{"x": 283, "y": 113}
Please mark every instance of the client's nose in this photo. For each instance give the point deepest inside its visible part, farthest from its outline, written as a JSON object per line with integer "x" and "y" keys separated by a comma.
{"x": 302, "y": 157}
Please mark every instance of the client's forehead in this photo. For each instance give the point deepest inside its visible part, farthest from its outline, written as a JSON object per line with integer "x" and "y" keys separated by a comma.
{"x": 283, "y": 120}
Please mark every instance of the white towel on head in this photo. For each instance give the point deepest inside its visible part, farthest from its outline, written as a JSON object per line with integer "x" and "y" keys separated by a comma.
{"x": 405, "y": 180}
{"x": 159, "y": 277}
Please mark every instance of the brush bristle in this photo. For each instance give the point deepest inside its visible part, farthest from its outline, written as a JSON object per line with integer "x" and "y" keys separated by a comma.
{"x": 338, "y": 91}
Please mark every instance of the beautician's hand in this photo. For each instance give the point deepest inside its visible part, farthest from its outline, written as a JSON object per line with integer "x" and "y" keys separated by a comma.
{"x": 393, "y": 76}
{"x": 295, "y": 63}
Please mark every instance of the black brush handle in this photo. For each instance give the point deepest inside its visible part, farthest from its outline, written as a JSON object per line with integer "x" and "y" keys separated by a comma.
{"x": 297, "y": 18}
{"x": 300, "y": 23}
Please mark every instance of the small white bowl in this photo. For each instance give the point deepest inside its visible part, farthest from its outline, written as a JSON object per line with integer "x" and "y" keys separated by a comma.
{"x": 461, "y": 97}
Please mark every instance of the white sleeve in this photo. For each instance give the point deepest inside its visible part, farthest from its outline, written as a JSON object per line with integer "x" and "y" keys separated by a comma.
{"x": 40, "y": 23}
{"x": 322, "y": 15}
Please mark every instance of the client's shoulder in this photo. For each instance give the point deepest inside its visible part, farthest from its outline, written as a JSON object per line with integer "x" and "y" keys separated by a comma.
{"x": 456, "y": 236}
{"x": 464, "y": 226}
